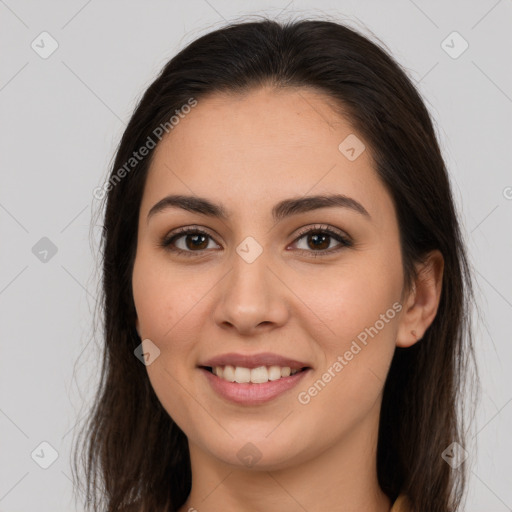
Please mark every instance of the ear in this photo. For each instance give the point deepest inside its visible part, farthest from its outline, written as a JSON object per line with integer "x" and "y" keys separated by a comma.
{"x": 422, "y": 301}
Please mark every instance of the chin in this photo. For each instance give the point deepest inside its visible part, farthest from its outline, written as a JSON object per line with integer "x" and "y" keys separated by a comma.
{"x": 258, "y": 452}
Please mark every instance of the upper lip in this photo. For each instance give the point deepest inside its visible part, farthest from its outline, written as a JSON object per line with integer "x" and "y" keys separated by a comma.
{"x": 254, "y": 361}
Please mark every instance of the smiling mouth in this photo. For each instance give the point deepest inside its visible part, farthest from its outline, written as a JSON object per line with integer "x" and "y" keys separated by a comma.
{"x": 259, "y": 375}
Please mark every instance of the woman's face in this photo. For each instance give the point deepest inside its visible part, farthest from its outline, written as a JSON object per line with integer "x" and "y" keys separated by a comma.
{"x": 256, "y": 284}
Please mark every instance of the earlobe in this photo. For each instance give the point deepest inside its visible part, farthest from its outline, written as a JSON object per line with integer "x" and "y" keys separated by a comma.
{"x": 423, "y": 300}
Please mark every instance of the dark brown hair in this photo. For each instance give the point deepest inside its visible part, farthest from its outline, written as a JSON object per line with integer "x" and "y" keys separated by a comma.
{"x": 132, "y": 449}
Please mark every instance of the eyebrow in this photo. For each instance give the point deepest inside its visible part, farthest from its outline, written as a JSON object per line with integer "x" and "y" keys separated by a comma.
{"x": 280, "y": 211}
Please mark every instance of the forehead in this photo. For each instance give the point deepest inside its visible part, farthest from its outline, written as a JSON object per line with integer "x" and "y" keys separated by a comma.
{"x": 251, "y": 150}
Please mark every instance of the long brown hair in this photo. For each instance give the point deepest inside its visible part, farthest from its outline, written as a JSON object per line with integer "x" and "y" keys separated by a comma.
{"x": 131, "y": 449}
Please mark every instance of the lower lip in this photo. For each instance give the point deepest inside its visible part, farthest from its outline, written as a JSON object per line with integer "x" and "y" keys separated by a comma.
{"x": 253, "y": 394}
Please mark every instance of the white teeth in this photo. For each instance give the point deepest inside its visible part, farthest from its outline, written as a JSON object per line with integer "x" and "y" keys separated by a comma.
{"x": 242, "y": 375}
{"x": 229, "y": 373}
{"x": 258, "y": 375}
{"x": 274, "y": 373}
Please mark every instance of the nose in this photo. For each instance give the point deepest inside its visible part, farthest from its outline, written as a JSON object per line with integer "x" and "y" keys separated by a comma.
{"x": 252, "y": 298}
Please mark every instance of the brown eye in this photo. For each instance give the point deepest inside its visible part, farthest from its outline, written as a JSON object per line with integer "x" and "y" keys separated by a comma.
{"x": 187, "y": 241}
{"x": 196, "y": 241}
{"x": 319, "y": 239}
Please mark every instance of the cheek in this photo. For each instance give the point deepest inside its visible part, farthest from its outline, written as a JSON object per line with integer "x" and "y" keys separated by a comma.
{"x": 350, "y": 299}
{"x": 359, "y": 309}
{"x": 166, "y": 303}
{"x": 170, "y": 307}
{"x": 164, "y": 298}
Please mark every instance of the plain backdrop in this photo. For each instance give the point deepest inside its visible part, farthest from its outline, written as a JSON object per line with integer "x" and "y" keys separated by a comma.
{"x": 62, "y": 116}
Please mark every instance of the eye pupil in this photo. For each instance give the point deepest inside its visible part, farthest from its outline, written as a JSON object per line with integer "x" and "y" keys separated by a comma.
{"x": 194, "y": 243}
{"x": 322, "y": 238}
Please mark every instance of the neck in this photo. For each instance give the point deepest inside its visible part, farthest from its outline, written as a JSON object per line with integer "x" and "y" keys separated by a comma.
{"x": 342, "y": 478}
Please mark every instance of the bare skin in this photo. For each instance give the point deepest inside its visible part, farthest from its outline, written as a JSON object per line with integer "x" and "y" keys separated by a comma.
{"x": 249, "y": 153}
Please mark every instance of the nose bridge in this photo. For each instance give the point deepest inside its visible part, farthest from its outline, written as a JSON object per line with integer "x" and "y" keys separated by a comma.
{"x": 251, "y": 295}
{"x": 251, "y": 268}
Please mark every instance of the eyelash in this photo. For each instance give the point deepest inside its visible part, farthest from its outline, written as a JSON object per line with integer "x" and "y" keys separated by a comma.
{"x": 317, "y": 229}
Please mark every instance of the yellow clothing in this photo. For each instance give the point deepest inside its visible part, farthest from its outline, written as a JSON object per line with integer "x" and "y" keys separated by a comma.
{"x": 401, "y": 504}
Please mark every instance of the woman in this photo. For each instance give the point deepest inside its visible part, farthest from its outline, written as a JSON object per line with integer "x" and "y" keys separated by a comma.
{"x": 286, "y": 289}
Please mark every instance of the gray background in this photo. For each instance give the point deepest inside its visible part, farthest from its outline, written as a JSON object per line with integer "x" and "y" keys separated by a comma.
{"x": 62, "y": 117}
